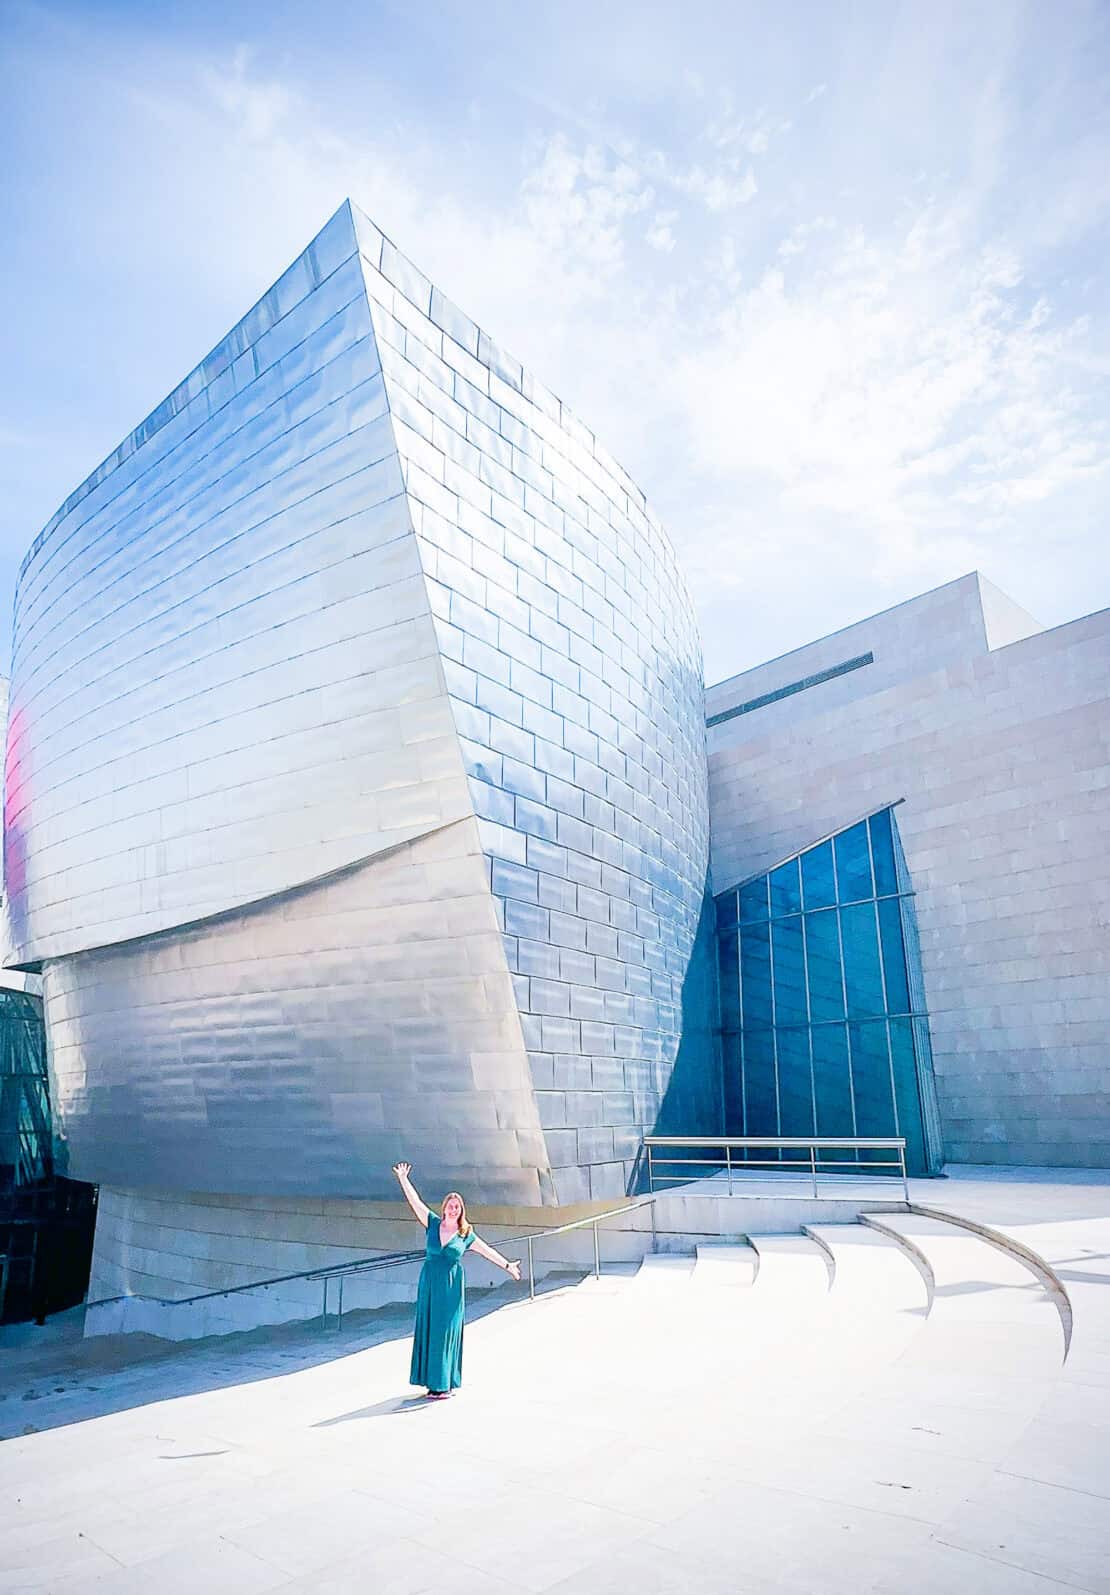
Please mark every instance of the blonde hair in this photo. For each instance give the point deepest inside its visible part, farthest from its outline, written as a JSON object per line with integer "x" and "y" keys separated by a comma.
{"x": 464, "y": 1225}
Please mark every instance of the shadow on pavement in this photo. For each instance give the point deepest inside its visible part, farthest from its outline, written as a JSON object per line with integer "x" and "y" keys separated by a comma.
{"x": 64, "y": 1379}
{"x": 381, "y": 1409}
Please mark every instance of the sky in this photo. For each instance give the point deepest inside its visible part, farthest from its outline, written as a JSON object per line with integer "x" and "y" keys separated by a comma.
{"x": 829, "y": 280}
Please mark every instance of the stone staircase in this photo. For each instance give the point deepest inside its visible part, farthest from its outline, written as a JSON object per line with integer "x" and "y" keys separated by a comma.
{"x": 879, "y": 1374}
{"x": 885, "y": 1407}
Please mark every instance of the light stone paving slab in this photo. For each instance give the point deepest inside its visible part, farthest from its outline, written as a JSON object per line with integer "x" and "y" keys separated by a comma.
{"x": 793, "y": 1263}
{"x": 721, "y": 1264}
{"x": 877, "y": 1286}
{"x": 210, "y": 1563}
{"x": 695, "y": 1436}
{"x": 817, "y": 1547}
{"x": 651, "y": 1569}
{"x": 1056, "y": 1534}
{"x": 661, "y": 1269}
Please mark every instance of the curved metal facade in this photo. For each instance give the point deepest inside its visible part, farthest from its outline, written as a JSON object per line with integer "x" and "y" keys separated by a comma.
{"x": 355, "y": 786}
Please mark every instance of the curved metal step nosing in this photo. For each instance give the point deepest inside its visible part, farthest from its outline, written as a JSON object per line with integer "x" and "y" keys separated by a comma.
{"x": 1053, "y": 1285}
{"x": 916, "y": 1256}
{"x": 826, "y": 1252}
{"x": 826, "y": 1255}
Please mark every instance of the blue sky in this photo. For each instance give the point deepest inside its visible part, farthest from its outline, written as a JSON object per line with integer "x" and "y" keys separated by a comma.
{"x": 828, "y": 279}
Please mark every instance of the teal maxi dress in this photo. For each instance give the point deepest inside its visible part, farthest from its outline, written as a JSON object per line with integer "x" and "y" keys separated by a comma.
{"x": 437, "y": 1341}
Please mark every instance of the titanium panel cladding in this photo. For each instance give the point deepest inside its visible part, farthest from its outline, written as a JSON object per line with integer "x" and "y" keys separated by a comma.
{"x": 225, "y": 676}
{"x": 359, "y": 583}
{"x": 573, "y": 663}
{"x": 302, "y": 1045}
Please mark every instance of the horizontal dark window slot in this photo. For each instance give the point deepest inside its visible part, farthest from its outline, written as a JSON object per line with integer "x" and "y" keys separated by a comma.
{"x": 795, "y": 686}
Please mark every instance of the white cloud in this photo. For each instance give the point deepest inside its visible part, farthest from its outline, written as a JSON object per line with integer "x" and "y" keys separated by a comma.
{"x": 745, "y": 134}
{"x": 259, "y": 107}
{"x": 576, "y": 202}
{"x": 890, "y": 382}
{"x": 717, "y": 191}
{"x": 661, "y": 235}
{"x": 896, "y": 385}
{"x": 877, "y": 395}
{"x": 722, "y": 185}
{"x": 797, "y": 241}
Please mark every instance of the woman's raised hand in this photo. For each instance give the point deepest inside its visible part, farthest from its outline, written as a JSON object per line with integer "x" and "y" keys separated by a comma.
{"x": 402, "y": 1170}
{"x": 514, "y": 1270}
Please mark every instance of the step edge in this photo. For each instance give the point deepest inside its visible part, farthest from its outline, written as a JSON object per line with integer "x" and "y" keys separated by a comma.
{"x": 916, "y": 1256}
{"x": 794, "y": 1235}
{"x": 1054, "y": 1286}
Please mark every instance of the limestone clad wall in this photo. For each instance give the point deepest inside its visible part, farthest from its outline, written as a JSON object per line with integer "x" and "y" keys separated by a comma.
{"x": 1003, "y": 759}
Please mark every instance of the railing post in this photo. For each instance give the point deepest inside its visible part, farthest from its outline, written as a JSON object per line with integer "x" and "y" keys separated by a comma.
{"x": 813, "y": 1164}
{"x": 339, "y": 1309}
{"x": 905, "y": 1181}
{"x": 597, "y": 1254}
{"x": 728, "y": 1165}
{"x": 651, "y": 1172}
{"x": 531, "y": 1273}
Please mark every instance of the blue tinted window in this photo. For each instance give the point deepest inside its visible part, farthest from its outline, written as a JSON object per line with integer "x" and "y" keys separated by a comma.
{"x": 795, "y": 1084}
{"x": 786, "y": 891}
{"x": 826, "y": 981}
{"x": 894, "y": 957}
{"x": 755, "y": 971}
{"x": 789, "y": 971}
{"x": 907, "y": 1100}
{"x": 882, "y": 853}
{"x": 753, "y": 899}
{"x": 832, "y": 1081}
{"x": 726, "y": 909}
{"x": 871, "y": 1079}
{"x": 729, "y": 953}
{"x": 733, "y": 1065}
{"x": 863, "y": 978}
{"x": 760, "y": 1094}
{"x": 820, "y": 969}
{"x": 818, "y": 879}
{"x": 853, "y": 864}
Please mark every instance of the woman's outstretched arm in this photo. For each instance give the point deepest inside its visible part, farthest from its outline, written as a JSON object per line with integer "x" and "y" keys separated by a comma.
{"x": 420, "y": 1210}
{"x": 492, "y": 1255}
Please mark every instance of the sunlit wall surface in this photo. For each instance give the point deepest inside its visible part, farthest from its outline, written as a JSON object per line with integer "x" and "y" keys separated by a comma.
{"x": 824, "y": 1027}
{"x": 573, "y": 665}
{"x": 355, "y": 785}
{"x": 996, "y": 734}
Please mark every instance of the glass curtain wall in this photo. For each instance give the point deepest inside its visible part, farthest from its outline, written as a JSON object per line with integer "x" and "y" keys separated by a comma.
{"x": 822, "y": 1003}
{"x": 46, "y": 1221}
{"x": 25, "y": 1132}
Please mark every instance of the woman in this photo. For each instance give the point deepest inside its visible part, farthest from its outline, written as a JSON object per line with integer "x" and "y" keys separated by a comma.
{"x": 441, "y": 1297}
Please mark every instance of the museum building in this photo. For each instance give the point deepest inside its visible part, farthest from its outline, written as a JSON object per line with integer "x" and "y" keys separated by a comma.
{"x": 363, "y": 800}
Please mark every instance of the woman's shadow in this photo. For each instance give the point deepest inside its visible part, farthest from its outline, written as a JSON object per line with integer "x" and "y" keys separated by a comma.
{"x": 381, "y": 1409}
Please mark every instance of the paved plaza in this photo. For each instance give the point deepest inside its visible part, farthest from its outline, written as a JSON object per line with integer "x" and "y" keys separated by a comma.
{"x": 881, "y": 1407}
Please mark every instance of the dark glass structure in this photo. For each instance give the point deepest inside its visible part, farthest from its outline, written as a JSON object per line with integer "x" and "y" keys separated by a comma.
{"x": 824, "y": 1028}
{"x": 46, "y": 1221}
{"x": 25, "y": 1140}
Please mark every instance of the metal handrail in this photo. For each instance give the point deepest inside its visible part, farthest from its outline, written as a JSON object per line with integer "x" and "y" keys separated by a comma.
{"x": 383, "y": 1260}
{"x": 341, "y": 1271}
{"x": 366, "y": 1265}
{"x": 812, "y": 1144}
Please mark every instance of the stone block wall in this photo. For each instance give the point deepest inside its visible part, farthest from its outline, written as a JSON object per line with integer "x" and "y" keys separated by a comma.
{"x": 1002, "y": 758}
